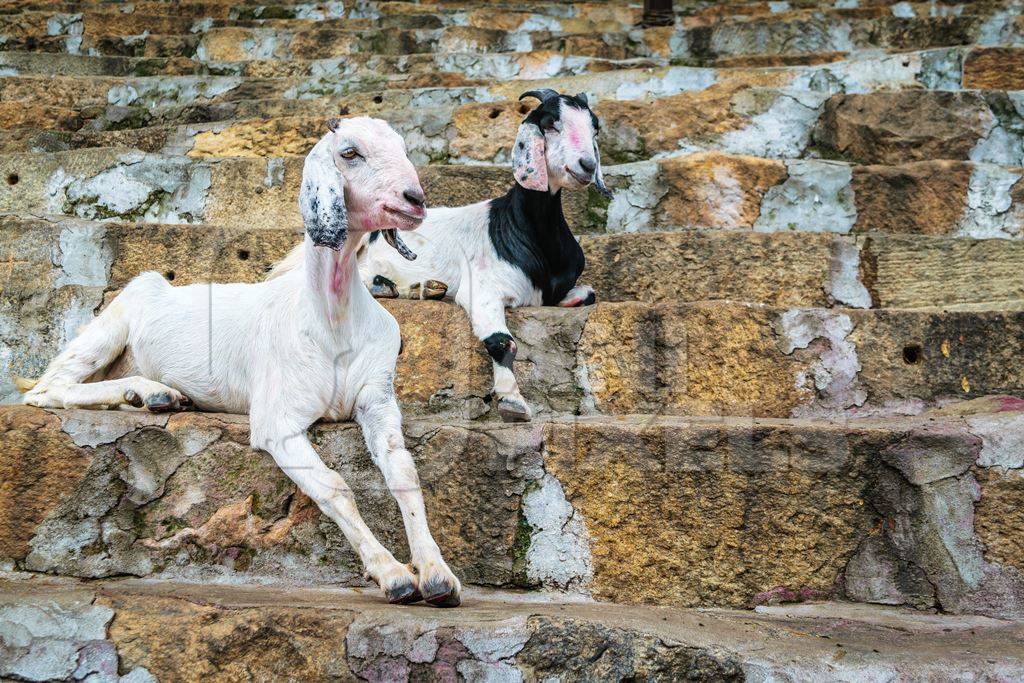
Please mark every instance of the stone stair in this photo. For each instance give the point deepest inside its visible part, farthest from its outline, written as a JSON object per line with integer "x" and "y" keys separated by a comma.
{"x": 801, "y": 382}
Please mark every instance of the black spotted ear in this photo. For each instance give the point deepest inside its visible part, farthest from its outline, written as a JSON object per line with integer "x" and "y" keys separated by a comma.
{"x": 322, "y": 198}
{"x": 582, "y": 97}
{"x": 332, "y": 124}
{"x": 529, "y": 160}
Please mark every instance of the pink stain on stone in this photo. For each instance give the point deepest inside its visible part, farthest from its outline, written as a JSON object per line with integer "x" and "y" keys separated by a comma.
{"x": 1011, "y": 404}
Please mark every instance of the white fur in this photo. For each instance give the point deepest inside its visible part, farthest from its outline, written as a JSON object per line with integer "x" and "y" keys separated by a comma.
{"x": 310, "y": 344}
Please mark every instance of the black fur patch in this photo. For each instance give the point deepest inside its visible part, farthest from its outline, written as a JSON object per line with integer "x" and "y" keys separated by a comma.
{"x": 550, "y": 110}
{"x": 501, "y": 348}
{"x": 528, "y": 230}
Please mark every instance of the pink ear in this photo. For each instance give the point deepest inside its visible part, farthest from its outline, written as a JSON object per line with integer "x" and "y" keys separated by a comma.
{"x": 529, "y": 165}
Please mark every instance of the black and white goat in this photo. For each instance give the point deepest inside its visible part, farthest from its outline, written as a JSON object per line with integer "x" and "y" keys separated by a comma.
{"x": 311, "y": 344}
{"x": 516, "y": 250}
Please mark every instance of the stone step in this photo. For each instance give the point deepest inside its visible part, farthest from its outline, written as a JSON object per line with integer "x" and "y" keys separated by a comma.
{"x": 874, "y": 270}
{"x": 479, "y": 124}
{"x": 704, "y": 190}
{"x": 930, "y": 69}
{"x": 728, "y": 512}
{"x": 789, "y": 356}
{"x": 156, "y": 630}
{"x": 974, "y": 67}
{"x": 445, "y": 68}
{"x": 768, "y": 36}
{"x": 738, "y": 112}
{"x": 164, "y": 18}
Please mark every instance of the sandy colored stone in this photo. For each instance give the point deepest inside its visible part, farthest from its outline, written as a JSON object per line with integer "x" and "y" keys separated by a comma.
{"x": 273, "y": 138}
{"x": 909, "y": 358}
{"x": 905, "y": 126}
{"x": 994, "y": 68}
{"x": 713, "y": 190}
{"x": 791, "y": 59}
{"x": 325, "y": 44}
{"x": 251, "y": 193}
{"x": 698, "y": 359}
{"x": 440, "y": 354}
{"x": 658, "y": 40}
{"x": 23, "y": 115}
{"x": 636, "y": 129}
{"x": 39, "y": 469}
{"x": 926, "y": 197}
{"x": 211, "y": 254}
{"x": 188, "y": 641}
{"x": 483, "y": 131}
{"x": 695, "y": 265}
{"x": 907, "y": 271}
{"x": 692, "y": 503}
{"x": 997, "y": 517}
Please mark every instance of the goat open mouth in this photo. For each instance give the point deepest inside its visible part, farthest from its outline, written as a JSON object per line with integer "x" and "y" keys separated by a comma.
{"x": 583, "y": 180}
{"x": 406, "y": 215}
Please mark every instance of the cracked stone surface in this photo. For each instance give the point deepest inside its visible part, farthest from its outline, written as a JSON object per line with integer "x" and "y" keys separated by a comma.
{"x": 156, "y": 630}
{"x": 710, "y": 503}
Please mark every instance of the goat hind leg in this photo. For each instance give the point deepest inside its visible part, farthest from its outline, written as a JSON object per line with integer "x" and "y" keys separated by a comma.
{"x": 100, "y": 342}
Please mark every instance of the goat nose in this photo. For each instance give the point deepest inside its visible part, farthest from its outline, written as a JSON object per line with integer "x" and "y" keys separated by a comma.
{"x": 414, "y": 196}
{"x": 588, "y": 165}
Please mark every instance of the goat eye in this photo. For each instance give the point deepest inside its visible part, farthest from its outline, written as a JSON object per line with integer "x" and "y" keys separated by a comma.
{"x": 349, "y": 153}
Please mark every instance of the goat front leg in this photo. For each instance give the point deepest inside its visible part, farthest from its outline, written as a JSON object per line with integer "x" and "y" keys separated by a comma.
{"x": 378, "y": 414}
{"x": 487, "y": 315}
{"x": 295, "y": 455}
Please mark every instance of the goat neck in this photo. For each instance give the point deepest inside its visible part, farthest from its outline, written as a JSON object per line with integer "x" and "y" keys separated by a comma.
{"x": 528, "y": 229}
{"x": 332, "y": 280}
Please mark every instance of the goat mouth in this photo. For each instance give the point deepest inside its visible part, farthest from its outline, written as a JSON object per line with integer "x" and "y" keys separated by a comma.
{"x": 415, "y": 218}
{"x": 582, "y": 180}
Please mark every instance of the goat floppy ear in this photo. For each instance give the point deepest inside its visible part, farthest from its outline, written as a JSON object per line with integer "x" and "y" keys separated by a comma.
{"x": 529, "y": 162}
{"x": 322, "y": 198}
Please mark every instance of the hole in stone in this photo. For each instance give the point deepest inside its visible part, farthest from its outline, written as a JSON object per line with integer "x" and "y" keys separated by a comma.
{"x": 12, "y": 178}
{"x": 243, "y": 254}
{"x": 378, "y": 99}
{"x": 495, "y": 113}
{"x": 523, "y": 108}
{"x": 169, "y": 275}
{"x": 912, "y": 354}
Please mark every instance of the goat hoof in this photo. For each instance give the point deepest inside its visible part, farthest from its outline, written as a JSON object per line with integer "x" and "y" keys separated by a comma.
{"x": 512, "y": 410}
{"x": 162, "y": 402}
{"x": 383, "y": 288}
{"x": 403, "y": 594}
{"x": 132, "y": 398}
{"x": 433, "y": 290}
{"x": 441, "y": 593}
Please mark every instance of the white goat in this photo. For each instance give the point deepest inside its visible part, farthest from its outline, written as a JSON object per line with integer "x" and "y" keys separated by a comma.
{"x": 311, "y": 344}
{"x": 516, "y": 250}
